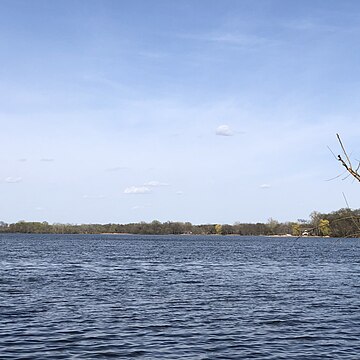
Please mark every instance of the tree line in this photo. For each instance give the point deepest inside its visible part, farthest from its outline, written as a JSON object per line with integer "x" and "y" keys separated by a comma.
{"x": 340, "y": 223}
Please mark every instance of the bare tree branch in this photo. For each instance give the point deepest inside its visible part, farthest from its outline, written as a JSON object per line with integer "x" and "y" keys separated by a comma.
{"x": 347, "y": 163}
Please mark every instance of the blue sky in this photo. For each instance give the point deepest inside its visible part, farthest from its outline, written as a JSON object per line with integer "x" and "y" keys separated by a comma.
{"x": 202, "y": 111}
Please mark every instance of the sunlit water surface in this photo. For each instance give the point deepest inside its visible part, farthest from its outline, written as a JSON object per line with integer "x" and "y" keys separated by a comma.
{"x": 178, "y": 297}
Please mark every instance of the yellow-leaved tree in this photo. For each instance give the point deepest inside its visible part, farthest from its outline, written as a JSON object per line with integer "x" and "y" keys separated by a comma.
{"x": 218, "y": 229}
{"x": 324, "y": 227}
{"x": 296, "y": 230}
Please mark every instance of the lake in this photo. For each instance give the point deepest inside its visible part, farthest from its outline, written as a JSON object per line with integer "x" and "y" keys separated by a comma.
{"x": 178, "y": 297}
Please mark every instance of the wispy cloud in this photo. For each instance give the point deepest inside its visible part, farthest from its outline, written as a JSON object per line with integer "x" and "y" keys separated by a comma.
{"x": 13, "y": 180}
{"x": 237, "y": 39}
{"x": 155, "y": 184}
{"x": 138, "y": 207}
{"x": 86, "y": 196}
{"x": 47, "y": 159}
{"x": 230, "y": 38}
{"x": 137, "y": 190}
{"x": 224, "y": 130}
{"x": 153, "y": 54}
{"x": 100, "y": 80}
{"x": 310, "y": 24}
{"x": 116, "y": 168}
{"x": 146, "y": 188}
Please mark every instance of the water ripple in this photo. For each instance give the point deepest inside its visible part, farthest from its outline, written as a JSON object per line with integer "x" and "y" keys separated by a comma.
{"x": 99, "y": 297}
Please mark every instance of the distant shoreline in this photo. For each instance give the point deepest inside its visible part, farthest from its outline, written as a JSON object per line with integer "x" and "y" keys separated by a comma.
{"x": 339, "y": 224}
{"x": 180, "y": 235}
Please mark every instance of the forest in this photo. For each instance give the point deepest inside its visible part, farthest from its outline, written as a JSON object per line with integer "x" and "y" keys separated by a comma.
{"x": 341, "y": 223}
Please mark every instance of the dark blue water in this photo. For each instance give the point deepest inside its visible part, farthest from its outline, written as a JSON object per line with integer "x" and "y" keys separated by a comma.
{"x": 184, "y": 297}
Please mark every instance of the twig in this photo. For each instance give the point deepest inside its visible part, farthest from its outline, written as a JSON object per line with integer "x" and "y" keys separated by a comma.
{"x": 347, "y": 163}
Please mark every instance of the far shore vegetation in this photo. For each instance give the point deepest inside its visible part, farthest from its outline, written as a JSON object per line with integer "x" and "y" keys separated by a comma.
{"x": 340, "y": 223}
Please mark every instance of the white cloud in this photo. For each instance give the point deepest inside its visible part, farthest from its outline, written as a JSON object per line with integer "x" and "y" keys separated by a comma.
{"x": 137, "y": 190}
{"x": 13, "y": 180}
{"x": 47, "y": 160}
{"x": 137, "y": 207}
{"x": 155, "y": 184}
{"x": 179, "y": 193}
{"x": 265, "y": 186}
{"x": 224, "y": 130}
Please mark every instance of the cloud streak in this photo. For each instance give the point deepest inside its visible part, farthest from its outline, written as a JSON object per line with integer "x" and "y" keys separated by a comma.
{"x": 230, "y": 38}
{"x": 86, "y": 196}
{"x": 13, "y": 180}
{"x": 137, "y": 190}
{"x": 316, "y": 25}
{"x": 146, "y": 188}
{"x": 155, "y": 184}
{"x": 116, "y": 168}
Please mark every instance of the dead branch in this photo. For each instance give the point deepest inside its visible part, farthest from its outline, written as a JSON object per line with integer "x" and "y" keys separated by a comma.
{"x": 347, "y": 163}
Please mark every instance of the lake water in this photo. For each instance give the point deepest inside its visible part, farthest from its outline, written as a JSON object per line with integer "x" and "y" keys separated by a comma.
{"x": 178, "y": 297}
